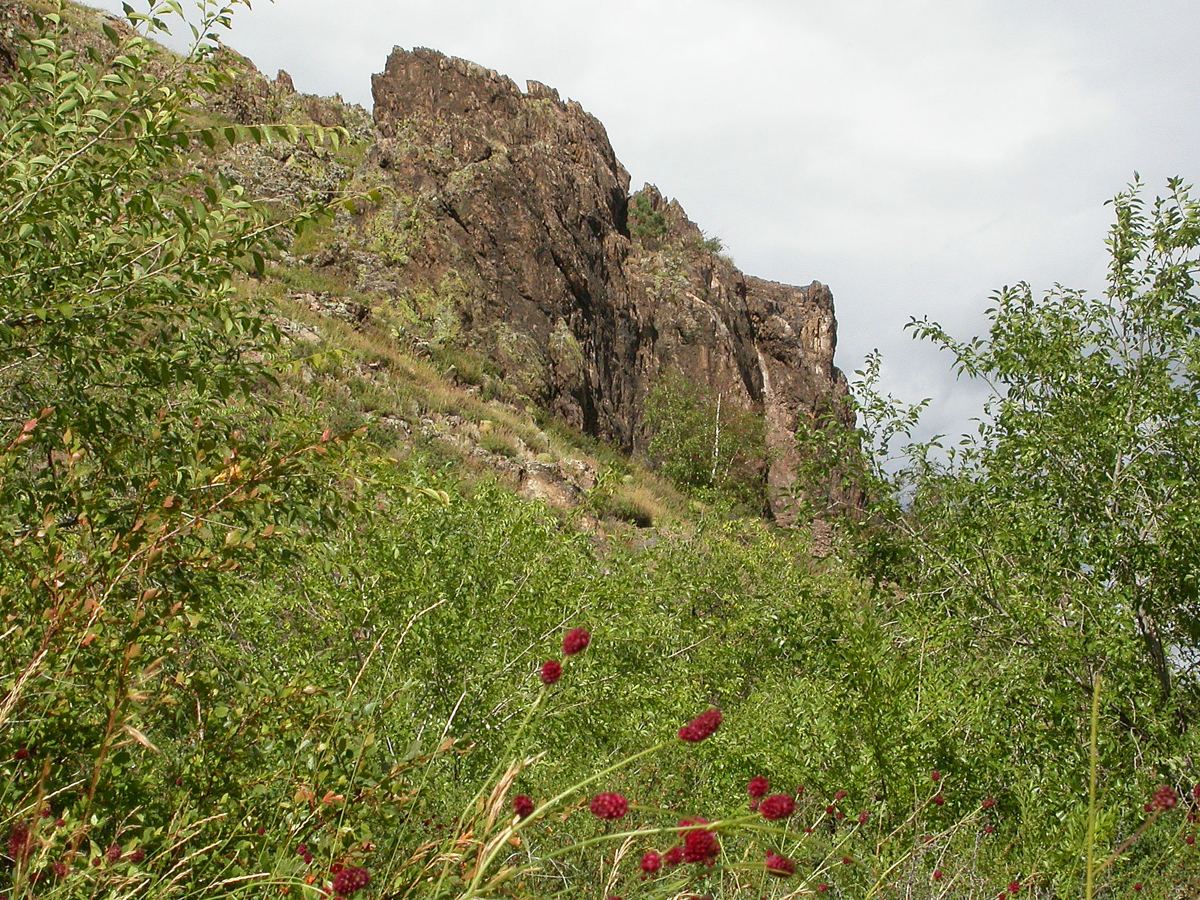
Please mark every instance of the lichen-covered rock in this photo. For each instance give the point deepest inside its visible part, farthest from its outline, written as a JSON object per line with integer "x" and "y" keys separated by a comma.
{"x": 523, "y": 198}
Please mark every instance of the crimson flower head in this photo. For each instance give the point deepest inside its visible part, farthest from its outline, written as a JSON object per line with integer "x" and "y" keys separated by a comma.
{"x": 701, "y": 727}
{"x": 938, "y": 799}
{"x": 937, "y": 875}
{"x": 863, "y": 817}
{"x": 758, "y": 786}
{"x": 780, "y": 866}
{"x": 777, "y": 806}
{"x": 936, "y": 775}
{"x": 21, "y": 754}
{"x": 839, "y": 796}
{"x": 651, "y": 862}
{"x": 113, "y": 854}
{"x": 609, "y": 806}
{"x": 1014, "y": 887}
{"x": 551, "y": 671}
{"x": 686, "y": 825}
{"x": 136, "y": 855}
{"x": 576, "y": 641}
{"x": 701, "y": 846}
{"x": 350, "y": 881}
{"x": 20, "y": 842}
{"x": 673, "y": 857}
{"x": 988, "y": 802}
{"x": 523, "y": 805}
{"x": 1164, "y": 797}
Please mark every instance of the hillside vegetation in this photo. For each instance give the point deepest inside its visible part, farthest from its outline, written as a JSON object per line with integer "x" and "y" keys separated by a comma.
{"x": 301, "y": 595}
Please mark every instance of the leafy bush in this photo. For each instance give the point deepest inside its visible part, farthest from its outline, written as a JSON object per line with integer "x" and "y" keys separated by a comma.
{"x": 646, "y": 223}
{"x": 704, "y": 444}
{"x": 131, "y": 474}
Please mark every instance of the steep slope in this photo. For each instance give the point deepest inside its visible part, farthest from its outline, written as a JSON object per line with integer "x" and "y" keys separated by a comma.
{"x": 518, "y": 197}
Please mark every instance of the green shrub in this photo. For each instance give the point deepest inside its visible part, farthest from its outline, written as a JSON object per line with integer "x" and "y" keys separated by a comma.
{"x": 704, "y": 443}
{"x": 646, "y": 223}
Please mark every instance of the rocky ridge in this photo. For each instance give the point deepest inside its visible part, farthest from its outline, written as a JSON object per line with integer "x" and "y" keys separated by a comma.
{"x": 584, "y": 294}
{"x": 509, "y": 230}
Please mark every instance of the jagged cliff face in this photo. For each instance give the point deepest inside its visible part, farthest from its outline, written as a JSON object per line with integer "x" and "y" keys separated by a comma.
{"x": 523, "y": 203}
{"x": 510, "y": 214}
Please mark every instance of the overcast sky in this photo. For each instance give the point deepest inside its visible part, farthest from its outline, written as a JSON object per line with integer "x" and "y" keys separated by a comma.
{"x": 915, "y": 155}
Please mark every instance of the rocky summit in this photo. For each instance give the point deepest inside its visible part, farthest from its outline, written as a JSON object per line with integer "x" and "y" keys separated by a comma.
{"x": 584, "y": 294}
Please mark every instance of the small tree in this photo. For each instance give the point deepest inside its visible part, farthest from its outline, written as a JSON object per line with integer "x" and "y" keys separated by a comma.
{"x": 703, "y": 442}
{"x": 137, "y": 458}
{"x": 1085, "y": 476}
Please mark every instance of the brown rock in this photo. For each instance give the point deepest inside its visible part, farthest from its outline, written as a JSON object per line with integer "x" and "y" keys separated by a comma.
{"x": 520, "y": 195}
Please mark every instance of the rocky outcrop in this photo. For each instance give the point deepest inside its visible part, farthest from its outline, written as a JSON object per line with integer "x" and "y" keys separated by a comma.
{"x": 517, "y": 196}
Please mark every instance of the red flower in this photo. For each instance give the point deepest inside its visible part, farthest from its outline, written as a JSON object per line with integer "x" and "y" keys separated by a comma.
{"x": 701, "y": 727}
{"x": 839, "y": 796}
{"x": 938, "y": 800}
{"x": 20, "y": 842}
{"x": 822, "y": 888}
{"x": 830, "y": 809}
{"x": 1137, "y": 886}
{"x": 576, "y": 641}
{"x": 686, "y": 825}
{"x": 1164, "y": 797}
{"x": 780, "y": 866}
{"x": 847, "y": 860}
{"x": 350, "y": 881}
{"x": 1190, "y": 839}
{"x": 61, "y": 869}
{"x": 989, "y": 829}
{"x": 936, "y": 776}
{"x": 937, "y": 874}
{"x": 609, "y": 806}
{"x": 551, "y": 671}
{"x": 701, "y": 846}
{"x": 988, "y": 802}
{"x": 674, "y": 856}
{"x": 523, "y": 805}
{"x": 1014, "y": 887}
{"x": 651, "y": 862}
{"x": 863, "y": 817}
{"x": 777, "y": 806}
{"x": 758, "y": 786}
{"x": 21, "y": 754}
{"x": 136, "y": 855}
{"x": 113, "y": 854}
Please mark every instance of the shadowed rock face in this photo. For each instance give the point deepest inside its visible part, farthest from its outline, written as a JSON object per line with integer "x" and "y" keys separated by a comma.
{"x": 523, "y": 200}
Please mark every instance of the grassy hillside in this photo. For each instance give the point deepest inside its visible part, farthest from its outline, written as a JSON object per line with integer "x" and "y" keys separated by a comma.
{"x": 293, "y": 578}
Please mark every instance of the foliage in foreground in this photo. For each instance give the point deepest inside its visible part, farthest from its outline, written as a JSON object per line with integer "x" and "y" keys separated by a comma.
{"x": 392, "y": 708}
